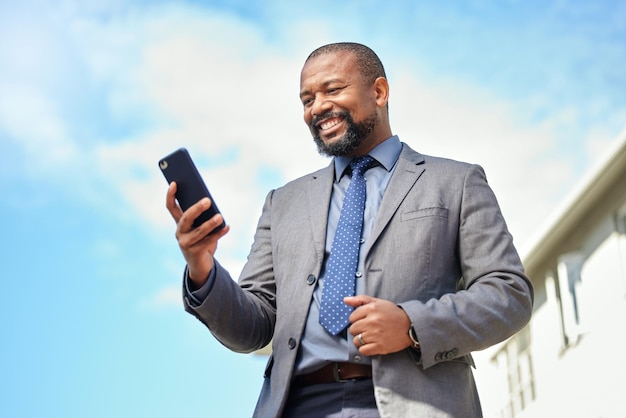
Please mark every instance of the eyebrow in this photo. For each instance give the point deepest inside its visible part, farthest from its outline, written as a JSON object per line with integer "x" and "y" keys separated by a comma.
{"x": 324, "y": 84}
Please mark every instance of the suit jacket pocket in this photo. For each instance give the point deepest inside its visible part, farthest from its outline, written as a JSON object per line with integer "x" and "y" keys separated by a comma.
{"x": 425, "y": 213}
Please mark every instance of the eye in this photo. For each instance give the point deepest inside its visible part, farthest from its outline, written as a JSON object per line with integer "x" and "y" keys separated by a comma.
{"x": 334, "y": 90}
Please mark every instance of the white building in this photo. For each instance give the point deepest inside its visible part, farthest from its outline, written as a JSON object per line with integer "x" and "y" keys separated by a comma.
{"x": 570, "y": 361}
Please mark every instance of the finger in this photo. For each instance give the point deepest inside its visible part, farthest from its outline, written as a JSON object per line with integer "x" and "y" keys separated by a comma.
{"x": 185, "y": 223}
{"x": 380, "y": 347}
{"x": 170, "y": 202}
{"x": 208, "y": 227}
{"x": 370, "y": 349}
{"x": 201, "y": 234}
{"x": 355, "y": 327}
{"x": 356, "y": 301}
{"x": 359, "y": 303}
{"x": 223, "y": 231}
{"x": 359, "y": 341}
{"x": 367, "y": 347}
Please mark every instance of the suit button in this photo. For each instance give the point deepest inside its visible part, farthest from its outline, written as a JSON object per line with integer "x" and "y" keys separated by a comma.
{"x": 311, "y": 279}
{"x": 452, "y": 354}
{"x": 438, "y": 356}
{"x": 292, "y": 343}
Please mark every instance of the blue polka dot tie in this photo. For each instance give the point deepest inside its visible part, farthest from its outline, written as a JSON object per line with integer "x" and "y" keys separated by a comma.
{"x": 344, "y": 253}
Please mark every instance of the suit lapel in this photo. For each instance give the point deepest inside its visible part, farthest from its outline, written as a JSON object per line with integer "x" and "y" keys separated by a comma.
{"x": 318, "y": 199}
{"x": 408, "y": 171}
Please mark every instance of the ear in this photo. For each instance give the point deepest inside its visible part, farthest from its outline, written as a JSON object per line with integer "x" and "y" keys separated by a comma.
{"x": 381, "y": 91}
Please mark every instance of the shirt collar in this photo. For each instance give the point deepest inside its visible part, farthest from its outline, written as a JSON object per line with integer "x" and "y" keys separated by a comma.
{"x": 386, "y": 153}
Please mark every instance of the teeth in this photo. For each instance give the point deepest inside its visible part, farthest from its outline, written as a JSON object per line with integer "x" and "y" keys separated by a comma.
{"x": 329, "y": 124}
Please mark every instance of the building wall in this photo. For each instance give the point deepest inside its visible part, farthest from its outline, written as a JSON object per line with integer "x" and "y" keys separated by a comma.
{"x": 576, "y": 338}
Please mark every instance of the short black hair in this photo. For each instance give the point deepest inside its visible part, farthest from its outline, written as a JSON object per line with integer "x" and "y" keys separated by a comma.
{"x": 368, "y": 62}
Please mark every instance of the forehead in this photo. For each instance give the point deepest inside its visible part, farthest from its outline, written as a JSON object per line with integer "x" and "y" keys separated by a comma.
{"x": 339, "y": 65}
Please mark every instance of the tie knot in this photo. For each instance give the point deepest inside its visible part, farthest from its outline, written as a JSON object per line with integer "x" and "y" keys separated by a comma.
{"x": 362, "y": 164}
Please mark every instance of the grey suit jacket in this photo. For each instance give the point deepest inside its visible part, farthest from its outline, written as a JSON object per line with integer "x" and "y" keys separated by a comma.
{"x": 439, "y": 248}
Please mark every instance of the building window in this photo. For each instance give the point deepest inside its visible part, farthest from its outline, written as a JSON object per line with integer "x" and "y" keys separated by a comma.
{"x": 569, "y": 280}
{"x": 516, "y": 360}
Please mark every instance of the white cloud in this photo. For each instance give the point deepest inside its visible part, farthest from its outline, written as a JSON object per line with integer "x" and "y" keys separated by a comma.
{"x": 468, "y": 124}
{"x": 164, "y": 298}
{"x": 29, "y": 117}
{"x": 212, "y": 83}
{"x": 243, "y": 93}
{"x": 211, "y": 96}
{"x": 216, "y": 85}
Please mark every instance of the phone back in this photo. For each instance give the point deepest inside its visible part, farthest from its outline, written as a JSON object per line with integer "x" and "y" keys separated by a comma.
{"x": 179, "y": 167}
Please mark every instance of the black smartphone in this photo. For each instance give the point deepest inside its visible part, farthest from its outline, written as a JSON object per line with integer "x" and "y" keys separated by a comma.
{"x": 179, "y": 167}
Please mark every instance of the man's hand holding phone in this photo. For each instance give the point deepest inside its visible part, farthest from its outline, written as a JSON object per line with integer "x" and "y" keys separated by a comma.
{"x": 198, "y": 244}
{"x": 199, "y": 223}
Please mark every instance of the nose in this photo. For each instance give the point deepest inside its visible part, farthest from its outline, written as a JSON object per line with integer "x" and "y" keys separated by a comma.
{"x": 320, "y": 106}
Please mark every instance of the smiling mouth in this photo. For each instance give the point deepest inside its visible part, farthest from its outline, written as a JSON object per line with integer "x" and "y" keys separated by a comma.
{"x": 327, "y": 124}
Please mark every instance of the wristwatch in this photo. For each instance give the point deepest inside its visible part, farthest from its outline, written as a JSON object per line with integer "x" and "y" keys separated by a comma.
{"x": 415, "y": 344}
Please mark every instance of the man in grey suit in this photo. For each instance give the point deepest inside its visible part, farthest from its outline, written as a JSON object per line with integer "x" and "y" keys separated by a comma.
{"x": 437, "y": 275}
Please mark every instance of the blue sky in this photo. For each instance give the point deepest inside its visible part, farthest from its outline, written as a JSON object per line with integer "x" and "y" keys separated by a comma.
{"x": 92, "y": 94}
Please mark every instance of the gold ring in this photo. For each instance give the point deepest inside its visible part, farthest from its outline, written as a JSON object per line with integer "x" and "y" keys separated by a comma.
{"x": 360, "y": 338}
